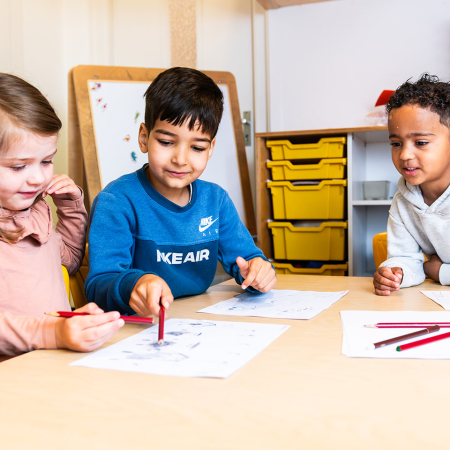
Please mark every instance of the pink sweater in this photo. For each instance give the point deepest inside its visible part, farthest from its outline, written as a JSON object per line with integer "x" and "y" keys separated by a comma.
{"x": 31, "y": 279}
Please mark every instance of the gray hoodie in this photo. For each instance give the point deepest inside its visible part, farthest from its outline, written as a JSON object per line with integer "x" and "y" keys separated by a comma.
{"x": 414, "y": 228}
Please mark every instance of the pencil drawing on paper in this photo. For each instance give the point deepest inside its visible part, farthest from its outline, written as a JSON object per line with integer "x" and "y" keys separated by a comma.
{"x": 192, "y": 348}
{"x": 277, "y": 304}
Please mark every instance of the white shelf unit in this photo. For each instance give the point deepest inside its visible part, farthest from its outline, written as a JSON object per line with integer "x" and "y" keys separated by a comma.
{"x": 368, "y": 159}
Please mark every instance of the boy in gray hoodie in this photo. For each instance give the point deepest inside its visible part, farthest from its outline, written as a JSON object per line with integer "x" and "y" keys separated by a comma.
{"x": 419, "y": 218}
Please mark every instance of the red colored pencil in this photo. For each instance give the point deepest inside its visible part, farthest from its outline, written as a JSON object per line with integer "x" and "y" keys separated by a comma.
{"x": 423, "y": 342}
{"x": 405, "y": 337}
{"x": 131, "y": 319}
{"x": 161, "y": 325}
{"x": 408, "y": 325}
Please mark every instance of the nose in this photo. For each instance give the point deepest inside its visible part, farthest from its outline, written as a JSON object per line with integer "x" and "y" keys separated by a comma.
{"x": 36, "y": 177}
{"x": 179, "y": 156}
{"x": 407, "y": 152}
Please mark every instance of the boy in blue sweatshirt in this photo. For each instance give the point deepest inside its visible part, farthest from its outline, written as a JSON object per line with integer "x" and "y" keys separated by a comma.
{"x": 157, "y": 233}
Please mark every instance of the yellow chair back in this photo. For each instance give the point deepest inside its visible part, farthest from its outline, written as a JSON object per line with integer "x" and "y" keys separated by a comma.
{"x": 77, "y": 282}
{"x": 380, "y": 248}
{"x": 66, "y": 280}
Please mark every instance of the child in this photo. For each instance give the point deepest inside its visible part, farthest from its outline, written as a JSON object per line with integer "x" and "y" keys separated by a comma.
{"x": 31, "y": 251}
{"x": 157, "y": 233}
{"x": 419, "y": 219}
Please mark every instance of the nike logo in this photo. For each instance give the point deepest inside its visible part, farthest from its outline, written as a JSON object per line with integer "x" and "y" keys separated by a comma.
{"x": 207, "y": 223}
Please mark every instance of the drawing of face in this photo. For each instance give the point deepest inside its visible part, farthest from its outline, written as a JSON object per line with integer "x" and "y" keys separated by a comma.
{"x": 177, "y": 156}
{"x": 26, "y": 169}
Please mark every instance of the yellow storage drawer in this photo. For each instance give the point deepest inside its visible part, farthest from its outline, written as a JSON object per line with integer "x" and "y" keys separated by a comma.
{"x": 325, "y": 169}
{"x": 323, "y": 243}
{"x": 325, "y": 148}
{"x": 322, "y": 201}
{"x": 336, "y": 270}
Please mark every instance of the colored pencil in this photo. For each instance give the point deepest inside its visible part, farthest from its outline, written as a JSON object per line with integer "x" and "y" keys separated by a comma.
{"x": 131, "y": 319}
{"x": 408, "y": 325}
{"x": 161, "y": 325}
{"x": 427, "y": 330}
{"x": 423, "y": 342}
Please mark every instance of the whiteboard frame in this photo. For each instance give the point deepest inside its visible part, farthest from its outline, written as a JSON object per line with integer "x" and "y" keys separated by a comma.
{"x": 84, "y": 166}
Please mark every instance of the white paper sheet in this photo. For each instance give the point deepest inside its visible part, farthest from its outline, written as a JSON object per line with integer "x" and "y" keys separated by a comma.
{"x": 440, "y": 297}
{"x": 277, "y": 304}
{"x": 356, "y": 337}
{"x": 192, "y": 348}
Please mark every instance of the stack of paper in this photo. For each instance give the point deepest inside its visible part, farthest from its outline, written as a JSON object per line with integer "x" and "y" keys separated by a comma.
{"x": 357, "y": 337}
{"x": 277, "y": 304}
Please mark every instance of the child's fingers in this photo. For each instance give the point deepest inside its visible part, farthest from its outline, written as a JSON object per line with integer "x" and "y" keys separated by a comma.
{"x": 272, "y": 283}
{"x": 166, "y": 296}
{"x": 101, "y": 332}
{"x": 90, "y": 308}
{"x": 387, "y": 272}
{"x": 382, "y": 292}
{"x": 93, "y": 321}
{"x": 252, "y": 275}
{"x": 267, "y": 274}
{"x": 243, "y": 265}
{"x": 67, "y": 183}
{"x": 153, "y": 297}
{"x": 381, "y": 279}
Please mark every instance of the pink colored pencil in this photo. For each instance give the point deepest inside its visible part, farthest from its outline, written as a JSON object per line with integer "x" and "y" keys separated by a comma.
{"x": 408, "y": 325}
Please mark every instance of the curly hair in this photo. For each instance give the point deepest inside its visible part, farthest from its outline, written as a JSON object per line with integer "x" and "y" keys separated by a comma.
{"x": 427, "y": 92}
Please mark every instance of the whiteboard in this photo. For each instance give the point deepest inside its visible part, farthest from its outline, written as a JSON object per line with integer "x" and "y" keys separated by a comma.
{"x": 118, "y": 109}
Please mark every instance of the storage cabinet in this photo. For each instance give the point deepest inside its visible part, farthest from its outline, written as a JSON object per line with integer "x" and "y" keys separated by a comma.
{"x": 367, "y": 157}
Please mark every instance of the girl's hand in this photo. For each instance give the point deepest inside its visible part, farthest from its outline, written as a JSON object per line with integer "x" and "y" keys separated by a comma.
{"x": 86, "y": 333}
{"x": 258, "y": 274}
{"x": 63, "y": 187}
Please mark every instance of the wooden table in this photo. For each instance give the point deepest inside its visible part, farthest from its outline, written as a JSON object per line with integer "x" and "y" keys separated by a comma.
{"x": 300, "y": 392}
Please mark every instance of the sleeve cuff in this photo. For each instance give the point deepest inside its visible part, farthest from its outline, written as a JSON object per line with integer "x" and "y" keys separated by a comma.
{"x": 49, "y": 332}
{"x": 444, "y": 274}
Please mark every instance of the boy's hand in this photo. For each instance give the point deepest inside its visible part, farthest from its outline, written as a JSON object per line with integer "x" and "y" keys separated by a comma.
{"x": 257, "y": 273}
{"x": 387, "y": 279}
{"x": 147, "y": 294}
{"x": 62, "y": 187}
{"x": 432, "y": 267}
{"x": 86, "y": 333}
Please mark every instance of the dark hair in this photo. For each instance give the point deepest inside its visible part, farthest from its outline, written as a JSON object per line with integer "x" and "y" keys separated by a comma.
{"x": 22, "y": 106}
{"x": 427, "y": 92}
{"x": 180, "y": 94}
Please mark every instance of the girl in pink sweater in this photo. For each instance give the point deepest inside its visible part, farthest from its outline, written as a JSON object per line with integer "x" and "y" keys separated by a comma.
{"x": 31, "y": 251}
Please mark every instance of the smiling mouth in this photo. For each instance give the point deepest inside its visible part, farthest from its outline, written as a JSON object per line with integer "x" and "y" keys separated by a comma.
{"x": 410, "y": 170}
{"x": 29, "y": 194}
{"x": 178, "y": 174}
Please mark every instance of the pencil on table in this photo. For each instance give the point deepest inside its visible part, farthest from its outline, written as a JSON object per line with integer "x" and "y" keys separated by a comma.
{"x": 405, "y": 337}
{"x": 161, "y": 325}
{"x": 130, "y": 319}
{"x": 408, "y": 325}
{"x": 423, "y": 342}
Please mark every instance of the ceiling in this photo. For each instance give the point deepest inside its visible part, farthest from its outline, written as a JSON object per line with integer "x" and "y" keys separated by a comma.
{"x": 275, "y": 4}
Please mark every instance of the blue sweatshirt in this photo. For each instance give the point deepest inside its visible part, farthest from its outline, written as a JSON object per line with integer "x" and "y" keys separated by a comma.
{"x": 135, "y": 231}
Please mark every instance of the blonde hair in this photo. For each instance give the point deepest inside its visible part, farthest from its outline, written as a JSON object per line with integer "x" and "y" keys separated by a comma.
{"x": 23, "y": 107}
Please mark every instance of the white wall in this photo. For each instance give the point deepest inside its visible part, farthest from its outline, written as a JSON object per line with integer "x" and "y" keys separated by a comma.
{"x": 42, "y": 39}
{"x": 329, "y": 61}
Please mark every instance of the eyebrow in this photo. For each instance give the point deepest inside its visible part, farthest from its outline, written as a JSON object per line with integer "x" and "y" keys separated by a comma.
{"x": 10, "y": 160}
{"x": 413, "y": 135}
{"x": 197, "y": 139}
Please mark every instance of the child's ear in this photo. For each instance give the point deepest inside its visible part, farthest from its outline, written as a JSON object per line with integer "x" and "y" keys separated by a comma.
{"x": 143, "y": 138}
{"x": 211, "y": 149}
